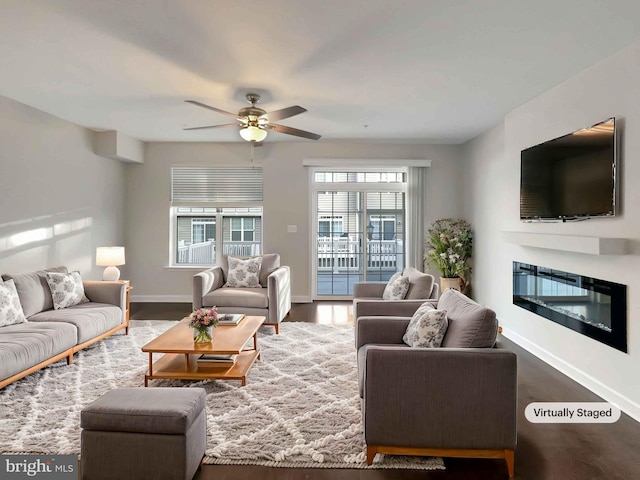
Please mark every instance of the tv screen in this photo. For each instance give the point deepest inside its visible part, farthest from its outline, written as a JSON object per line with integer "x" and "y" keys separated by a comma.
{"x": 570, "y": 177}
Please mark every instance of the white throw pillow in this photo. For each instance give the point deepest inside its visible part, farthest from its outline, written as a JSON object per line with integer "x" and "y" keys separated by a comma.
{"x": 66, "y": 289}
{"x": 426, "y": 328}
{"x": 396, "y": 288}
{"x": 10, "y": 309}
{"x": 244, "y": 273}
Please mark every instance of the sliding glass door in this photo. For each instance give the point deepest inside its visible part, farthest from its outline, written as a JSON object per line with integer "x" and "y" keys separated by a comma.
{"x": 359, "y": 230}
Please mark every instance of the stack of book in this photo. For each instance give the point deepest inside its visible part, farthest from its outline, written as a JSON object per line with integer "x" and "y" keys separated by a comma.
{"x": 217, "y": 360}
{"x": 230, "y": 318}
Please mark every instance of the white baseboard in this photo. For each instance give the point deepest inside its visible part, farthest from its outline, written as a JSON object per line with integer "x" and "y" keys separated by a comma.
{"x": 625, "y": 404}
{"x": 162, "y": 298}
{"x": 301, "y": 299}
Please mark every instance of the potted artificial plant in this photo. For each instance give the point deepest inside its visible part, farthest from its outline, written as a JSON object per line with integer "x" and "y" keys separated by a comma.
{"x": 448, "y": 248}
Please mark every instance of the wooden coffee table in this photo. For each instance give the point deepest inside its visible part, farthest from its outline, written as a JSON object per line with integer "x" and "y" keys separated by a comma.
{"x": 181, "y": 352}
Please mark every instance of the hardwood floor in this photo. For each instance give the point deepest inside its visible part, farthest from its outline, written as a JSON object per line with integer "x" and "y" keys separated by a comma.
{"x": 544, "y": 452}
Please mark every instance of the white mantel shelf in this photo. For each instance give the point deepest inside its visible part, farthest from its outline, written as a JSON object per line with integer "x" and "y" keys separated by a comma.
{"x": 569, "y": 243}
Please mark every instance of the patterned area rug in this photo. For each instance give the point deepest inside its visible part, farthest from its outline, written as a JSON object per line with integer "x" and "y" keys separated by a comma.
{"x": 300, "y": 407}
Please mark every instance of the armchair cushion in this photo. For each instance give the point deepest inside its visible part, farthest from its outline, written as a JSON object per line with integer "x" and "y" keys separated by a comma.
{"x": 426, "y": 328}
{"x": 420, "y": 284}
{"x": 470, "y": 325}
{"x": 270, "y": 263}
{"x": 396, "y": 288}
{"x": 237, "y": 297}
{"x": 244, "y": 272}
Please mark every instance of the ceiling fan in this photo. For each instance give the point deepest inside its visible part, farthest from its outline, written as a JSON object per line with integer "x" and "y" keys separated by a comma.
{"x": 254, "y": 122}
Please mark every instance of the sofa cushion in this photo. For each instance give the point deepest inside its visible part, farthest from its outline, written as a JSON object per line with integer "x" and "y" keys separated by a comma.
{"x": 396, "y": 288}
{"x": 10, "y": 309}
{"x": 470, "y": 325}
{"x": 66, "y": 289}
{"x": 426, "y": 328}
{"x": 33, "y": 289}
{"x": 24, "y": 345}
{"x": 420, "y": 284}
{"x": 90, "y": 319}
{"x": 237, "y": 297}
{"x": 244, "y": 272}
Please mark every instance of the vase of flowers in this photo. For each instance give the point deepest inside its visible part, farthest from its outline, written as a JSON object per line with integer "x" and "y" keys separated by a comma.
{"x": 448, "y": 248}
{"x": 203, "y": 321}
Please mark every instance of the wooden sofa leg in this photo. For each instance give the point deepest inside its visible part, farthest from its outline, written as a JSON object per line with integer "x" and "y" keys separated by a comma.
{"x": 509, "y": 457}
{"x": 371, "y": 454}
{"x": 277, "y": 327}
{"x": 70, "y": 359}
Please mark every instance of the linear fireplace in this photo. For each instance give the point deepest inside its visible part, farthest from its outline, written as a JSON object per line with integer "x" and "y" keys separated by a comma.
{"x": 595, "y": 308}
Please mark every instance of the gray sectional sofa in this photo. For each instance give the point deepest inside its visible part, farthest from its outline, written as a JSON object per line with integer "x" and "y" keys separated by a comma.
{"x": 50, "y": 335}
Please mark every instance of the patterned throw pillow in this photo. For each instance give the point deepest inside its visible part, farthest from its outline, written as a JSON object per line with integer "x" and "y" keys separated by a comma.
{"x": 426, "y": 328}
{"x": 244, "y": 273}
{"x": 66, "y": 289}
{"x": 10, "y": 308}
{"x": 396, "y": 288}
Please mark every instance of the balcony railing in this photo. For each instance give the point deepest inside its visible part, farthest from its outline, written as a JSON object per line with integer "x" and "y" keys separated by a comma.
{"x": 344, "y": 254}
{"x": 204, "y": 253}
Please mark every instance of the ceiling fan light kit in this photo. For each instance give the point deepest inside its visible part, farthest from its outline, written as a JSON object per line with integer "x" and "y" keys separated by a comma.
{"x": 255, "y": 122}
{"x": 253, "y": 134}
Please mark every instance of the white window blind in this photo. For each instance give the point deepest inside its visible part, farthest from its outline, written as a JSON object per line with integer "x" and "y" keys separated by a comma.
{"x": 216, "y": 184}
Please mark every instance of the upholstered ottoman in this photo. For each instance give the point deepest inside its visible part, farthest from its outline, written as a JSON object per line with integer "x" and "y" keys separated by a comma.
{"x": 136, "y": 433}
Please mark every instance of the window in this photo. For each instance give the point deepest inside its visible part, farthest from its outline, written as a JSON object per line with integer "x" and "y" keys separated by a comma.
{"x": 215, "y": 211}
{"x": 329, "y": 226}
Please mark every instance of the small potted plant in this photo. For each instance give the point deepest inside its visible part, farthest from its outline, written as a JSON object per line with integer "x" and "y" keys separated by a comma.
{"x": 448, "y": 248}
{"x": 203, "y": 320}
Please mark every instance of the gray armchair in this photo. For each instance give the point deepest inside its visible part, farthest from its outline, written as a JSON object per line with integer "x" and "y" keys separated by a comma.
{"x": 367, "y": 296}
{"x": 447, "y": 401}
{"x": 272, "y": 300}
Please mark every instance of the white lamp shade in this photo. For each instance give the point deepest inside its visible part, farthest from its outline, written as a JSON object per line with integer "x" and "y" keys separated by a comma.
{"x": 253, "y": 134}
{"x": 109, "y": 256}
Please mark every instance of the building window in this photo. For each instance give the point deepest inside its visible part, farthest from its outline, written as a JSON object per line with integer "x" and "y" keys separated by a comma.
{"x": 329, "y": 226}
{"x": 215, "y": 211}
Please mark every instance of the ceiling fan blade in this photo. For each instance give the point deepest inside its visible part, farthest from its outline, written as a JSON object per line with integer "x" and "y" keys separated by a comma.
{"x": 213, "y": 126}
{"x": 234, "y": 115}
{"x": 292, "y": 131}
{"x": 284, "y": 113}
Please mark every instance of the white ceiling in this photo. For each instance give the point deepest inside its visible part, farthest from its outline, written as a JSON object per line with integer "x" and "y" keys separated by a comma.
{"x": 372, "y": 70}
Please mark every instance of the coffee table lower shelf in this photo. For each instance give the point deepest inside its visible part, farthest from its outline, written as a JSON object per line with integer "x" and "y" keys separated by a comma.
{"x": 183, "y": 366}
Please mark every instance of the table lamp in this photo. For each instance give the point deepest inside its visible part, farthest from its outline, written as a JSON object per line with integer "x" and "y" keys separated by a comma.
{"x": 110, "y": 257}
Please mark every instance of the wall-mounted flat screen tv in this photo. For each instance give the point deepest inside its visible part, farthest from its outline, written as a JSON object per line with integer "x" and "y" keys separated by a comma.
{"x": 572, "y": 177}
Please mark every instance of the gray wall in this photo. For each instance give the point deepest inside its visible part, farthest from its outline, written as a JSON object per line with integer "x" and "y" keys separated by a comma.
{"x": 286, "y": 202}
{"x": 59, "y": 200}
{"x": 607, "y": 89}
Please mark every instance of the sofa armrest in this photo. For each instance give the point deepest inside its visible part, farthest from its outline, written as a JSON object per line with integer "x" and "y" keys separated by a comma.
{"x": 462, "y": 398}
{"x": 113, "y": 293}
{"x": 369, "y": 289}
{"x": 380, "y": 330}
{"x": 368, "y": 307}
{"x": 204, "y": 282}
{"x": 279, "y": 293}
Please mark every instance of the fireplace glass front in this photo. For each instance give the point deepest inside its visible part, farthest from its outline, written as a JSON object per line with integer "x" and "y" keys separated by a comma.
{"x": 593, "y": 307}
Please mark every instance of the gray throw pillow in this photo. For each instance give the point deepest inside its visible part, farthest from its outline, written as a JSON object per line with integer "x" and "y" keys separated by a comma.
{"x": 396, "y": 288}
{"x": 10, "y": 309}
{"x": 244, "y": 273}
{"x": 426, "y": 328}
{"x": 66, "y": 289}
